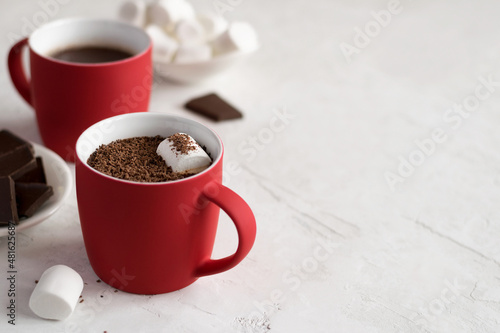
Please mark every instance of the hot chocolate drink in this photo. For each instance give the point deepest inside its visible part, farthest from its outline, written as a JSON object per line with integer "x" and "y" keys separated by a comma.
{"x": 140, "y": 159}
{"x": 91, "y": 54}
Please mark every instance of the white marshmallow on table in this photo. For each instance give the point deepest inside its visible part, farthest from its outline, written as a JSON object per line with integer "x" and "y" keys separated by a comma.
{"x": 166, "y": 13}
{"x": 57, "y": 292}
{"x": 189, "y": 31}
{"x": 194, "y": 161}
{"x": 133, "y": 12}
{"x": 239, "y": 36}
{"x": 164, "y": 47}
{"x": 213, "y": 24}
{"x": 192, "y": 53}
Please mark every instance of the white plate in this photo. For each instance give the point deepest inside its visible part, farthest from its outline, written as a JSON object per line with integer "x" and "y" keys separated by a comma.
{"x": 200, "y": 71}
{"x": 59, "y": 177}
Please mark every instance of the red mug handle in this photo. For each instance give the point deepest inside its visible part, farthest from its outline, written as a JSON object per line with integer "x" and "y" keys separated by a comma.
{"x": 16, "y": 70}
{"x": 244, "y": 220}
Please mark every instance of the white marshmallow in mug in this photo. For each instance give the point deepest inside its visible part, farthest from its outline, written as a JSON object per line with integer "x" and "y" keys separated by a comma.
{"x": 57, "y": 293}
{"x": 164, "y": 47}
{"x": 193, "y": 160}
{"x": 166, "y": 13}
{"x": 239, "y": 36}
{"x": 192, "y": 53}
{"x": 189, "y": 31}
{"x": 133, "y": 12}
{"x": 213, "y": 24}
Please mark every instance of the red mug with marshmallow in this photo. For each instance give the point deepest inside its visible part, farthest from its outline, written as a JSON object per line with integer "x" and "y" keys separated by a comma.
{"x": 70, "y": 96}
{"x": 152, "y": 238}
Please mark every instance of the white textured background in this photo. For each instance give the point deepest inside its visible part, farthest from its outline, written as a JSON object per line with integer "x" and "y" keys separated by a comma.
{"x": 338, "y": 249}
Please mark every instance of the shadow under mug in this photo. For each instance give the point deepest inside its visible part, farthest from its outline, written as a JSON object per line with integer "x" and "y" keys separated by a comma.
{"x": 151, "y": 238}
{"x": 67, "y": 96}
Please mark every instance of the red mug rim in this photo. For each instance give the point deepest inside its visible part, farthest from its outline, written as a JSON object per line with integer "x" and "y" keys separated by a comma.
{"x": 215, "y": 160}
{"x": 96, "y": 20}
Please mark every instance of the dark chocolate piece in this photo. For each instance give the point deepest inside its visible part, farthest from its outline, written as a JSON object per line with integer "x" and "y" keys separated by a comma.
{"x": 214, "y": 107}
{"x": 30, "y": 196}
{"x": 16, "y": 155}
{"x": 37, "y": 175}
{"x": 8, "y": 210}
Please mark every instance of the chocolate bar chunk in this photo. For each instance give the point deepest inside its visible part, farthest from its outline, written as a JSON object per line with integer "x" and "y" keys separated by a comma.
{"x": 214, "y": 107}
{"x": 23, "y": 186}
{"x": 30, "y": 196}
{"x": 16, "y": 155}
{"x": 37, "y": 175}
{"x": 8, "y": 210}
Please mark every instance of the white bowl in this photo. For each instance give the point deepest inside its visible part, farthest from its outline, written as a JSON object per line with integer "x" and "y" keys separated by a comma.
{"x": 59, "y": 177}
{"x": 200, "y": 71}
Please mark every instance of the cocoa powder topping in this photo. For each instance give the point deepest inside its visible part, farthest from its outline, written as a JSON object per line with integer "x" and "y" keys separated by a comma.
{"x": 181, "y": 143}
{"x": 134, "y": 159}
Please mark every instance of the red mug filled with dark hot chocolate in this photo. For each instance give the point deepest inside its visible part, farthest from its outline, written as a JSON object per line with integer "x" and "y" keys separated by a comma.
{"x": 82, "y": 71}
{"x": 150, "y": 229}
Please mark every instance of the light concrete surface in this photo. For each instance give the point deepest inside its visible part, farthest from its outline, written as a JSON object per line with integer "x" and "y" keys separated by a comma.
{"x": 369, "y": 151}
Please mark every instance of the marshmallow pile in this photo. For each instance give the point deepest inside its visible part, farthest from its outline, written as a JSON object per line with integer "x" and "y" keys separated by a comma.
{"x": 183, "y": 154}
{"x": 182, "y": 36}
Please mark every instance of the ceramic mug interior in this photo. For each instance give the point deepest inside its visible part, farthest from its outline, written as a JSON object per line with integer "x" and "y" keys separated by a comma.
{"x": 80, "y": 32}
